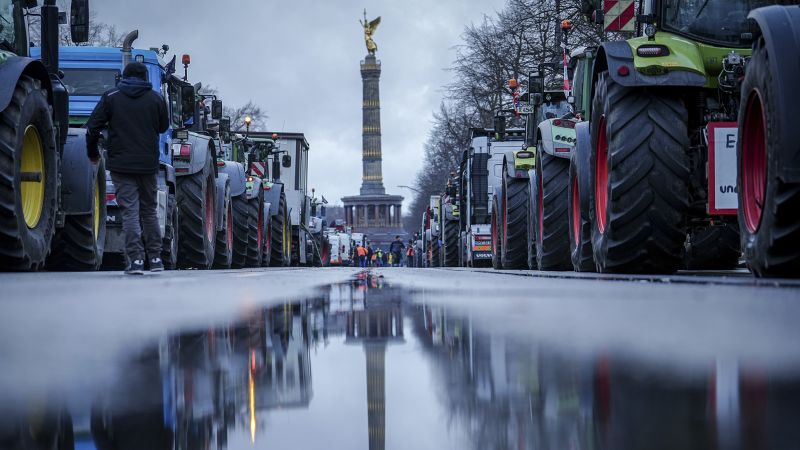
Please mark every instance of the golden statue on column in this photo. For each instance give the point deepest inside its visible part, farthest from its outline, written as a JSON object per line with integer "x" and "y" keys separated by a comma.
{"x": 369, "y": 30}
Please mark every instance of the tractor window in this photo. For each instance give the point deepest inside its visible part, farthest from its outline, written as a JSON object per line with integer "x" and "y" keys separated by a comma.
{"x": 554, "y": 110}
{"x": 577, "y": 84}
{"x": 7, "y": 24}
{"x": 714, "y": 21}
{"x": 92, "y": 82}
{"x": 175, "y": 105}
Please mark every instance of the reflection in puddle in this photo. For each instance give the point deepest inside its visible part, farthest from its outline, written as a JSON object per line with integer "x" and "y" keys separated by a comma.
{"x": 362, "y": 366}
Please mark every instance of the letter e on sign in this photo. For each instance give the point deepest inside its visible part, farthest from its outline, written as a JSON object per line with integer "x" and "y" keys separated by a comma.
{"x": 722, "y": 168}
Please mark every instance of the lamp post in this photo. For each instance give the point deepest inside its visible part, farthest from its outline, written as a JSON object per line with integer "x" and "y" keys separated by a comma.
{"x": 410, "y": 188}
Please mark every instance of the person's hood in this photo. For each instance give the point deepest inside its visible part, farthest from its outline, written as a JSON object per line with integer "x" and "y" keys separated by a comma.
{"x": 134, "y": 87}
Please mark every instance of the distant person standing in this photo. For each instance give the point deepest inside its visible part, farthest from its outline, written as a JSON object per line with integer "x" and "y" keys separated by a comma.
{"x": 370, "y": 255}
{"x": 135, "y": 116}
{"x": 396, "y": 249}
{"x": 362, "y": 255}
{"x": 410, "y": 254}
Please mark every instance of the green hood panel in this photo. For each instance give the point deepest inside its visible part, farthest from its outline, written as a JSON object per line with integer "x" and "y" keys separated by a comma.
{"x": 685, "y": 55}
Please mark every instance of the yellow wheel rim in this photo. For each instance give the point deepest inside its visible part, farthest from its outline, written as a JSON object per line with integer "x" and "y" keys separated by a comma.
{"x": 32, "y": 176}
{"x": 97, "y": 210}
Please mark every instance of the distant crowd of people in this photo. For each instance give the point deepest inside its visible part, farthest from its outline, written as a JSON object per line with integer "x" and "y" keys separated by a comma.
{"x": 397, "y": 255}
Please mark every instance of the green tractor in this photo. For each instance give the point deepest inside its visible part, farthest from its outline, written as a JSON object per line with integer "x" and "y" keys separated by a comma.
{"x": 769, "y": 148}
{"x": 52, "y": 201}
{"x": 663, "y": 137}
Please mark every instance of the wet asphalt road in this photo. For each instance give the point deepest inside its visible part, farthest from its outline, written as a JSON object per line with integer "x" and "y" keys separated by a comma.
{"x": 400, "y": 358}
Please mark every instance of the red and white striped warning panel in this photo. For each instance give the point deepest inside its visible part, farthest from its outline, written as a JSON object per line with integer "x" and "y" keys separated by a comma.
{"x": 258, "y": 169}
{"x": 619, "y": 15}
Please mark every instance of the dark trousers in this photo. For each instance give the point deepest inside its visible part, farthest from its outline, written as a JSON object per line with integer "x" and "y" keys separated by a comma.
{"x": 137, "y": 198}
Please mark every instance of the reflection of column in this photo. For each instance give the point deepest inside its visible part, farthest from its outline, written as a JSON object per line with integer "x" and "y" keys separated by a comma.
{"x": 376, "y": 394}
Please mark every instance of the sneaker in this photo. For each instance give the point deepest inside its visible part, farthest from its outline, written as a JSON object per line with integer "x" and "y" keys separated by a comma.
{"x": 136, "y": 268}
{"x": 156, "y": 265}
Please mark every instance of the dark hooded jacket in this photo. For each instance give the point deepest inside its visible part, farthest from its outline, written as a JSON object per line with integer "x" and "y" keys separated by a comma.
{"x": 135, "y": 115}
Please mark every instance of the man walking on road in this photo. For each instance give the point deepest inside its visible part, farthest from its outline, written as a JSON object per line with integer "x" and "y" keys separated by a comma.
{"x": 396, "y": 248}
{"x": 135, "y": 116}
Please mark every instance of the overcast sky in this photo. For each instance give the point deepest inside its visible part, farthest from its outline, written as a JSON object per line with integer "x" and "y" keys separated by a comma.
{"x": 300, "y": 61}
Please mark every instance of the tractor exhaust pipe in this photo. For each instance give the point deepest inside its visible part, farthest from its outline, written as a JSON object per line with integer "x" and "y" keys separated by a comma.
{"x": 127, "y": 45}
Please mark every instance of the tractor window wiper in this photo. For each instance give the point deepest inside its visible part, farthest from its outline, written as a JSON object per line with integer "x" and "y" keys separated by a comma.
{"x": 702, "y": 8}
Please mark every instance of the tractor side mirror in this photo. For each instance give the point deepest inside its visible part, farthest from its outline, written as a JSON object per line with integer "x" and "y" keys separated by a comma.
{"x": 216, "y": 109}
{"x": 79, "y": 21}
{"x": 224, "y": 124}
{"x": 500, "y": 128}
{"x": 286, "y": 161}
{"x": 187, "y": 100}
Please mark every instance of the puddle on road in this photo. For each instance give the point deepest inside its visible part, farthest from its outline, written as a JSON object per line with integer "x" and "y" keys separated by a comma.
{"x": 362, "y": 366}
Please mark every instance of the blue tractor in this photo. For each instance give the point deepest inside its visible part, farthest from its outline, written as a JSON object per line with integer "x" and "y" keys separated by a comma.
{"x": 192, "y": 193}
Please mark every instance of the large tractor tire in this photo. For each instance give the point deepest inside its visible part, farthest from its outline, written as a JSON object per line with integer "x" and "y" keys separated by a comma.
{"x": 198, "y": 225}
{"x": 497, "y": 235}
{"x": 255, "y": 232}
{"x": 281, "y": 235}
{"x": 514, "y": 218}
{"x": 714, "y": 248}
{"x": 27, "y": 204}
{"x": 450, "y": 250}
{"x": 223, "y": 250}
{"x": 169, "y": 245}
{"x": 436, "y": 252}
{"x": 641, "y": 179}
{"x": 768, "y": 206}
{"x": 580, "y": 228}
{"x": 78, "y": 245}
{"x": 243, "y": 227}
{"x": 551, "y": 219}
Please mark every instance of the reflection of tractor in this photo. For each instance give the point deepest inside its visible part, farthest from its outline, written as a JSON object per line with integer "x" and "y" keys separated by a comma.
{"x": 50, "y": 195}
{"x": 769, "y": 149}
{"x": 663, "y": 138}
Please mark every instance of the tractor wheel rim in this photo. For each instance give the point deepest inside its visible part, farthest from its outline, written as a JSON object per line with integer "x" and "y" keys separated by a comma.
{"x": 260, "y": 232}
{"x": 601, "y": 176}
{"x": 576, "y": 211}
{"x": 209, "y": 213}
{"x": 229, "y": 229}
{"x": 540, "y": 209}
{"x": 32, "y": 164}
{"x": 96, "y": 210}
{"x": 754, "y": 162}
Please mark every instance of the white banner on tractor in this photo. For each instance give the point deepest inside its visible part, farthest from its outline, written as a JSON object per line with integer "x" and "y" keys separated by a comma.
{"x": 619, "y": 15}
{"x": 723, "y": 198}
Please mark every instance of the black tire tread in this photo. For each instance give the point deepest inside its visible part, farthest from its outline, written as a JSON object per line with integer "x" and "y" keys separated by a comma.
{"x": 451, "y": 247}
{"x": 193, "y": 251}
{"x": 552, "y": 247}
{"x": 714, "y": 248}
{"x": 515, "y": 250}
{"x": 242, "y": 225}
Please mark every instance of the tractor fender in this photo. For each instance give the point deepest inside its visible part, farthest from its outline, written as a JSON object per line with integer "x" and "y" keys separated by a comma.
{"x": 254, "y": 188}
{"x": 238, "y": 179}
{"x": 545, "y": 135}
{"x": 221, "y": 182}
{"x": 582, "y": 154}
{"x": 169, "y": 176}
{"x": 780, "y": 28}
{"x": 202, "y": 149}
{"x": 273, "y": 197}
{"x": 616, "y": 54}
{"x": 508, "y": 162}
{"x": 16, "y": 66}
{"x": 77, "y": 175}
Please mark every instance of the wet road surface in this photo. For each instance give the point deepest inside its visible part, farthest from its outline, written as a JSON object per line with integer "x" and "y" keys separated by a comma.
{"x": 397, "y": 359}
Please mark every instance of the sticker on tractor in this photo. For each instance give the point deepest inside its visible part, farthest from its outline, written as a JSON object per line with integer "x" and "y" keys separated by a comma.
{"x": 618, "y": 15}
{"x": 258, "y": 169}
{"x": 722, "y": 138}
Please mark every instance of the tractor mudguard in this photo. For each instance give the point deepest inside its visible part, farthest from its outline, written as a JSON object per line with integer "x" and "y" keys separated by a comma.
{"x": 254, "y": 187}
{"x": 16, "y": 66}
{"x": 509, "y": 160}
{"x": 518, "y": 167}
{"x": 77, "y": 175}
{"x": 273, "y": 197}
{"x": 237, "y": 177}
{"x": 169, "y": 176}
{"x": 548, "y": 134}
{"x": 221, "y": 181}
{"x": 780, "y": 27}
{"x": 617, "y": 54}
{"x": 202, "y": 150}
